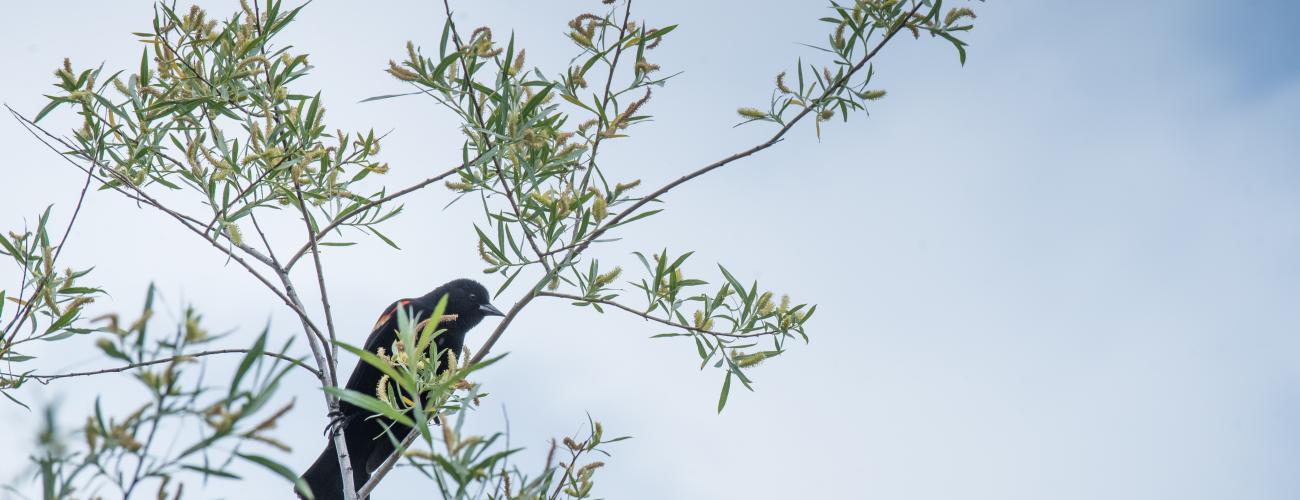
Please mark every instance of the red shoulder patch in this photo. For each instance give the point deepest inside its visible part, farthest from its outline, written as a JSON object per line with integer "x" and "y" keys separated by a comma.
{"x": 389, "y": 314}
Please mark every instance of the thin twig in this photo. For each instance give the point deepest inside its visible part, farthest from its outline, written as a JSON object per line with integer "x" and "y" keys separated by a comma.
{"x": 45, "y": 379}
{"x": 653, "y": 318}
{"x": 609, "y": 81}
{"x": 25, "y": 311}
{"x": 320, "y": 281}
{"x": 487, "y": 141}
{"x": 569, "y": 470}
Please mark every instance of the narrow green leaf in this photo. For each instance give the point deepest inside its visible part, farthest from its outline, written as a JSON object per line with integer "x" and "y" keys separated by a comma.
{"x": 298, "y": 484}
{"x": 371, "y": 403}
{"x": 259, "y": 347}
{"x": 726, "y": 389}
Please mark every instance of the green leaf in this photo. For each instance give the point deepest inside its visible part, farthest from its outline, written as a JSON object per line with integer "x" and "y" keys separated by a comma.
{"x": 388, "y": 96}
{"x": 210, "y": 472}
{"x": 726, "y": 389}
{"x": 284, "y": 472}
{"x": 63, "y": 320}
{"x": 426, "y": 335}
{"x": 54, "y": 103}
{"x": 259, "y": 347}
{"x": 371, "y": 403}
{"x": 735, "y": 284}
{"x": 385, "y": 238}
{"x": 17, "y": 402}
{"x": 374, "y": 360}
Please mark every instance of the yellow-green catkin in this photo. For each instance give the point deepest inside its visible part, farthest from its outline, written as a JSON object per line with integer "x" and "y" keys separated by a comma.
{"x": 872, "y": 95}
{"x": 487, "y": 257}
{"x": 765, "y": 305}
{"x": 459, "y": 186}
{"x": 599, "y": 208}
{"x": 748, "y": 360}
{"x": 624, "y": 186}
{"x": 644, "y": 67}
{"x": 703, "y": 322}
{"x": 381, "y": 390}
{"x": 752, "y": 113}
{"x": 607, "y": 278}
{"x": 519, "y": 62}
{"x": 956, "y": 14}
{"x": 780, "y": 84}
{"x": 232, "y": 230}
{"x": 401, "y": 73}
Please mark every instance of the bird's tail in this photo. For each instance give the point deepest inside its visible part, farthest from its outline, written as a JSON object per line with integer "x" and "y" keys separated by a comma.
{"x": 324, "y": 479}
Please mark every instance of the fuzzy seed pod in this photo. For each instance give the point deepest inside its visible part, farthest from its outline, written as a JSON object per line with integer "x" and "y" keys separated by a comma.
{"x": 872, "y": 95}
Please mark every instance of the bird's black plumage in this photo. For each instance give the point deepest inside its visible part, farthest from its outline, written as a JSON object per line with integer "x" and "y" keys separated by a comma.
{"x": 364, "y": 432}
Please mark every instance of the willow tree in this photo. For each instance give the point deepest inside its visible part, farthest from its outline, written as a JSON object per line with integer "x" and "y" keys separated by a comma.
{"x": 213, "y": 117}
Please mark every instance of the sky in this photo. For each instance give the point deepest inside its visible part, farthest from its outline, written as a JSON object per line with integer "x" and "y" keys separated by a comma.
{"x": 1065, "y": 270}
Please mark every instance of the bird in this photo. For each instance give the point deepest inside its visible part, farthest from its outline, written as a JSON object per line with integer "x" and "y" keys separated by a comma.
{"x": 364, "y": 431}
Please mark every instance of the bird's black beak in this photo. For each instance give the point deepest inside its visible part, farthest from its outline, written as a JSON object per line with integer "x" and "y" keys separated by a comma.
{"x": 490, "y": 310}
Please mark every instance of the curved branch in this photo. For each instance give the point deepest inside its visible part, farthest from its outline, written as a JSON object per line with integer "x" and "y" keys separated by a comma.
{"x": 45, "y": 379}
{"x": 673, "y": 324}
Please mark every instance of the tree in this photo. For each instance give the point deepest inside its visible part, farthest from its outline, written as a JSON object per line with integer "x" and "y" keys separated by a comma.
{"x": 211, "y": 131}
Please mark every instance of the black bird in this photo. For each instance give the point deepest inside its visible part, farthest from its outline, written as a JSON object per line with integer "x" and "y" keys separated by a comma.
{"x": 368, "y": 445}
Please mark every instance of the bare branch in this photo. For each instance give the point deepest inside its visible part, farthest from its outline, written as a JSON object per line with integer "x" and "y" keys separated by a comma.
{"x": 332, "y": 345}
{"x": 45, "y": 379}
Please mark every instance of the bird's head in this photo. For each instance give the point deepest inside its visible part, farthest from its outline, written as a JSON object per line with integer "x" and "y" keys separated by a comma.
{"x": 467, "y": 299}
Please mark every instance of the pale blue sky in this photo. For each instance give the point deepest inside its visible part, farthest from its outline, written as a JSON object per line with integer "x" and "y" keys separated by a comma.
{"x": 1068, "y": 270}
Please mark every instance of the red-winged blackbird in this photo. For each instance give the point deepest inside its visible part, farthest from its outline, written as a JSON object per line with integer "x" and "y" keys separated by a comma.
{"x": 368, "y": 444}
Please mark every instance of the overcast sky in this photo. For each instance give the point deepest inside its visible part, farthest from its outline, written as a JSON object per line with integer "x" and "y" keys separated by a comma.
{"x": 1067, "y": 270}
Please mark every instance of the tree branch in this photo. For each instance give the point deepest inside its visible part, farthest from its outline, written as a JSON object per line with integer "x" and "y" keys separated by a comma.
{"x": 332, "y": 345}
{"x": 45, "y": 379}
{"x": 653, "y": 318}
